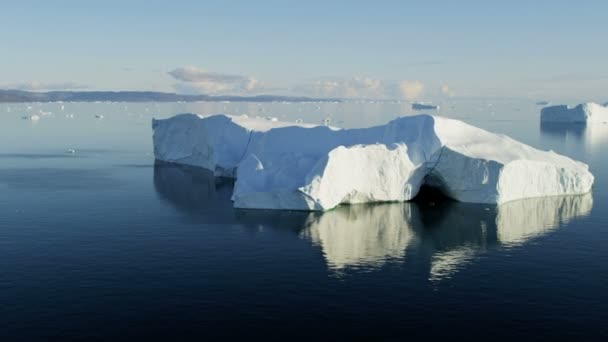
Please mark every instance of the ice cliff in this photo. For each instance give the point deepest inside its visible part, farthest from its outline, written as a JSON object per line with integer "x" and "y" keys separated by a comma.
{"x": 280, "y": 165}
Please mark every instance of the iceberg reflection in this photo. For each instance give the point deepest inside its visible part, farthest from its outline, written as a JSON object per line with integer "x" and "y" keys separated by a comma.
{"x": 589, "y": 136}
{"x": 441, "y": 237}
{"x": 519, "y": 221}
{"x": 447, "y": 236}
{"x": 360, "y": 234}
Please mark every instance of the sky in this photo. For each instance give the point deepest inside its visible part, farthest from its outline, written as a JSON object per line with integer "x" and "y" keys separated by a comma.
{"x": 361, "y": 49}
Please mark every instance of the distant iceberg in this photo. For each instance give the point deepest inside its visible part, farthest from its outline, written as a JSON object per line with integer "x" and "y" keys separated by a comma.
{"x": 542, "y": 103}
{"x": 280, "y": 165}
{"x": 33, "y": 117}
{"x": 422, "y": 106}
{"x": 586, "y": 112}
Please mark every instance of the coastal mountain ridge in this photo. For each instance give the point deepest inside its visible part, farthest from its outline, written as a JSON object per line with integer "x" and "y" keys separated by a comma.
{"x": 11, "y": 95}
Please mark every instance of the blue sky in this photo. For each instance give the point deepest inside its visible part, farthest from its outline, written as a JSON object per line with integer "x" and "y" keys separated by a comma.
{"x": 385, "y": 49}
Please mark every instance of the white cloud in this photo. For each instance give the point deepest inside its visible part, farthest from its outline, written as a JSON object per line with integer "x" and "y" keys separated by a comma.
{"x": 445, "y": 90}
{"x": 195, "y": 80}
{"x": 411, "y": 90}
{"x": 356, "y": 87}
{"x": 361, "y": 87}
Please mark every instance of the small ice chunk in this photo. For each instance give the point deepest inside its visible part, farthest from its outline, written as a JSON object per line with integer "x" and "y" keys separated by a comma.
{"x": 33, "y": 117}
{"x": 422, "y": 106}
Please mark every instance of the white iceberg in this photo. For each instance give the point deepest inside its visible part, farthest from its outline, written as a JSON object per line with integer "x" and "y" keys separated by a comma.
{"x": 585, "y": 112}
{"x": 280, "y": 165}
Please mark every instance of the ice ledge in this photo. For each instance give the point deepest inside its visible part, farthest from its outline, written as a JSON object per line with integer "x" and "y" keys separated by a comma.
{"x": 303, "y": 167}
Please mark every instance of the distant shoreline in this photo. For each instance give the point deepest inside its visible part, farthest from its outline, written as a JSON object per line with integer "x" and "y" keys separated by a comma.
{"x": 21, "y": 96}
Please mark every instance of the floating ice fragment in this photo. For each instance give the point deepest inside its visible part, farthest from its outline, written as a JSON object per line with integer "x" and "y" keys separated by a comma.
{"x": 422, "y": 106}
{"x": 33, "y": 117}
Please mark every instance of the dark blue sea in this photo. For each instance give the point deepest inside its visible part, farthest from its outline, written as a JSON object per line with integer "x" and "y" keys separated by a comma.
{"x": 99, "y": 242}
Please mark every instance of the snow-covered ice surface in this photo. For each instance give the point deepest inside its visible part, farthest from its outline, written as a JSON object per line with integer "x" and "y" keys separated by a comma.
{"x": 282, "y": 165}
{"x": 582, "y": 113}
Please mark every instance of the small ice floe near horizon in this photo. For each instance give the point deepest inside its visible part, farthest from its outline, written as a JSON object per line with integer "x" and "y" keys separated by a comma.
{"x": 543, "y": 103}
{"x": 423, "y": 106}
{"x": 33, "y": 117}
{"x": 289, "y": 166}
{"x": 582, "y": 113}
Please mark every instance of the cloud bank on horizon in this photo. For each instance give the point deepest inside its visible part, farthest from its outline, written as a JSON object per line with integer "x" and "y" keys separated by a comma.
{"x": 195, "y": 80}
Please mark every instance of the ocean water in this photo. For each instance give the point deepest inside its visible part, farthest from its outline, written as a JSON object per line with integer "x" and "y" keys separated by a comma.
{"x": 98, "y": 242}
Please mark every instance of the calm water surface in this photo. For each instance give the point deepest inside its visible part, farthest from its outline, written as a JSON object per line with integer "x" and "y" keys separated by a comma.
{"x": 104, "y": 244}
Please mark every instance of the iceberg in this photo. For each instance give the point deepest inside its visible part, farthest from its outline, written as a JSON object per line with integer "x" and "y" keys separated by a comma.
{"x": 280, "y": 165}
{"x": 583, "y": 113}
{"x": 422, "y": 106}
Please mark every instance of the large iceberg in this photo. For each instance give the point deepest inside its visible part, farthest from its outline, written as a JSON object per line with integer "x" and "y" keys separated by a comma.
{"x": 280, "y": 165}
{"x": 582, "y": 113}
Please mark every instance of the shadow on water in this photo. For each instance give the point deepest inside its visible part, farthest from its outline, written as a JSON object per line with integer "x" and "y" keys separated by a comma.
{"x": 443, "y": 235}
